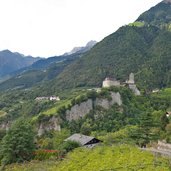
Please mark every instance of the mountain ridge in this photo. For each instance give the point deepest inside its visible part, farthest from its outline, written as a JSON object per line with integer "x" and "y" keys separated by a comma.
{"x": 12, "y": 61}
{"x": 82, "y": 49}
{"x": 142, "y": 50}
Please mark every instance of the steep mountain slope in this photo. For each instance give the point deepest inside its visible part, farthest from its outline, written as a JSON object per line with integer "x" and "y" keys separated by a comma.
{"x": 10, "y": 62}
{"x": 144, "y": 50}
{"x": 160, "y": 15}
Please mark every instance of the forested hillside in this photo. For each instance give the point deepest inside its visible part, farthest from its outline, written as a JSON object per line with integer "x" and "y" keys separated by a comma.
{"x": 142, "y": 48}
{"x": 144, "y": 51}
{"x": 158, "y": 15}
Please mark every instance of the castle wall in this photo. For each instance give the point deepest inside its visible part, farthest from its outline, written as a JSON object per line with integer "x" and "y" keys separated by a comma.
{"x": 109, "y": 83}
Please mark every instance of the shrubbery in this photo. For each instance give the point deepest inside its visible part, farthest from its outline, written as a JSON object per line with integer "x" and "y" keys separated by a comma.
{"x": 18, "y": 144}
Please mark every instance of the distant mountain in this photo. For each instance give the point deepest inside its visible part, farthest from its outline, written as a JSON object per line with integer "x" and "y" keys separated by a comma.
{"x": 10, "y": 62}
{"x": 46, "y": 62}
{"x": 42, "y": 70}
{"x": 83, "y": 49}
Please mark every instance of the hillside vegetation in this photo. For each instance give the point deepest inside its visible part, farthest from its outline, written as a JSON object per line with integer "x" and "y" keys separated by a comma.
{"x": 144, "y": 51}
{"x": 106, "y": 158}
{"x": 142, "y": 47}
{"x": 159, "y": 15}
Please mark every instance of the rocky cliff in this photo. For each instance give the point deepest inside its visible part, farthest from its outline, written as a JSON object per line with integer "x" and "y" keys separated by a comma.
{"x": 79, "y": 111}
{"x": 51, "y": 124}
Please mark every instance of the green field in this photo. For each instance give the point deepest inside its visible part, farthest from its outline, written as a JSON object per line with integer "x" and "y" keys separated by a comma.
{"x": 102, "y": 158}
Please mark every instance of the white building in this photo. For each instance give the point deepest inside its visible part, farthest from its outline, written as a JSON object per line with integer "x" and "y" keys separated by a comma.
{"x": 108, "y": 82}
{"x": 51, "y": 98}
{"x": 54, "y": 98}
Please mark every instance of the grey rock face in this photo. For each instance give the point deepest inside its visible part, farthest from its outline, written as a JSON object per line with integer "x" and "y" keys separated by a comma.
{"x": 5, "y": 125}
{"x": 79, "y": 111}
{"x": 134, "y": 89}
{"x": 52, "y": 124}
{"x": 106, "y": 104}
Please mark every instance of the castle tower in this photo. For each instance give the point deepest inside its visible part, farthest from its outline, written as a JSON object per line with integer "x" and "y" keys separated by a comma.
{"x": 131, "y": 79}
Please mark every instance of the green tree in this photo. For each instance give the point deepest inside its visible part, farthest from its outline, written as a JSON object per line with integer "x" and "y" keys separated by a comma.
{"x": 86, "y": 128}
{"x": 69, "y": 146}
{"x": 144, "y": 133}
{"x": 18, "y": 144}
{"x": 2, "y": 133}
{"x": 168, "y": 132}
{"x": 160, "y": 119}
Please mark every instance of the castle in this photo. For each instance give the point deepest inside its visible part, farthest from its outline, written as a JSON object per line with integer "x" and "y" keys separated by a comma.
{"x": 108, "y": 82}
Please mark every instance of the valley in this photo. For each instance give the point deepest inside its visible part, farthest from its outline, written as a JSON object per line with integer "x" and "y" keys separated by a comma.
{"x": 117, "y": 91}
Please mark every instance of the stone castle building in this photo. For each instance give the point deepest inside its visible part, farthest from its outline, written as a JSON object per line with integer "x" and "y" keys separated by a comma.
{"x": 131, "y": 84}
{"x": 108, "y": 82}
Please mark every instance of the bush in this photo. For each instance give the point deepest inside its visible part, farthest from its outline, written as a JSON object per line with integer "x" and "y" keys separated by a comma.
{"x": 2, "y": 133}
{"x": 45, "y": 154}
{"x": 69, "y": 146}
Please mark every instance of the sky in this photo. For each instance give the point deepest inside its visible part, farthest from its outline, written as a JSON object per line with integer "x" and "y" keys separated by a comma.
{"x": 52, "y": 27}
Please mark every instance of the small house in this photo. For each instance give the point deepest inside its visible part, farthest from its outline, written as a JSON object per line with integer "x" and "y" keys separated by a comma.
{"x": 84, "y": 140}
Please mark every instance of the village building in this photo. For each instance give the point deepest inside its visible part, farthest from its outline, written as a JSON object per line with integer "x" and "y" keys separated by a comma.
{"x": 41, "y": 98}
{"x": 108, "y": 82}
{"x": 54, "y": 98}
{"x": 84, "y": 140}
{"x": 51, "y": 98}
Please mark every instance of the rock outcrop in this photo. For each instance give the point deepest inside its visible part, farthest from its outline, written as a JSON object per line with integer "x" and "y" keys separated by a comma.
{"x": 5, "y": 125}
{"x": 51, "y": 124}
{"x": 106, "y": 104}
{"x": 79, "y": 111}
{"x": 134, "y": 89}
